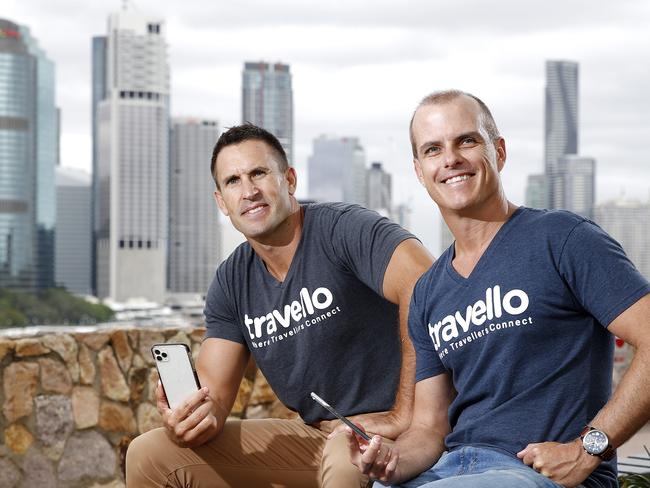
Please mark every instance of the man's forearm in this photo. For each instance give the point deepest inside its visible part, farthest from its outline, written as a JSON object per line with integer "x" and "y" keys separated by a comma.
{"x": 419, "y": 449}
{"x": 629, "y": 408}
{"x": 403, "y": 407}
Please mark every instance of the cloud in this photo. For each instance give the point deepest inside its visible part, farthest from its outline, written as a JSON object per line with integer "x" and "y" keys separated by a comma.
{"x": 360, "y": 67}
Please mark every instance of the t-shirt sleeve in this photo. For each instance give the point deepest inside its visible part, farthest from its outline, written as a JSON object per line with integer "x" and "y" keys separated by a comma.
{"x": 600, "y": 275}
{"x": 365, "y": 242}
{"x": 427, "y": 362}
{"x": 220, "y": 319}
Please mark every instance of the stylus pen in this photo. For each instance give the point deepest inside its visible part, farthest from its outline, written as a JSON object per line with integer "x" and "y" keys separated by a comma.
{"x": 326, "y": 405}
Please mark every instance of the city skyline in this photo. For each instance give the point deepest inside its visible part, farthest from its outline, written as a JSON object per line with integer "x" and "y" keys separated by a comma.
{"x": 360, "y": 71}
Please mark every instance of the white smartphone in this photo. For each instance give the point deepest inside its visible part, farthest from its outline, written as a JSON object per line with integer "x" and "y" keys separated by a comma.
{"x": 176, "y": 371}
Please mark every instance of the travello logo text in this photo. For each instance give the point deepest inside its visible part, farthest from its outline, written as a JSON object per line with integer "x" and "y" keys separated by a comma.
{"x": 306, "y": 305}
{"x": 515, "y": 302}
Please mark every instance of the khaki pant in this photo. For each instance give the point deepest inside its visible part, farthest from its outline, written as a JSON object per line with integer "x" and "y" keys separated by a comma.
{"x": 247, "y": 454}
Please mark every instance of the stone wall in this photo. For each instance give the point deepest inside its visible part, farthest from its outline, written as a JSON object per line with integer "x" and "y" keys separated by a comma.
{"x": 73, "y": 400}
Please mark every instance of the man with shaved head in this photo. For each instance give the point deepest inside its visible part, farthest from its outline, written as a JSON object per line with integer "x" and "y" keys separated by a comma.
{"x": 513, "y": 330}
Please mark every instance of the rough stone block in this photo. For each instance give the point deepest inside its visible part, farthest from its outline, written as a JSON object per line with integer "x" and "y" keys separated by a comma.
{"x": 113, "y": 383}
{"x": 9, "y": 473}
{"x": 94, "y": 341}
{"x": 152, "y": 384}
{"x": 6, "y": 345}
{"x": 87, "y": 369}
{"x": 55, "y": 451}
{"x": 39, "y": 471}
{"x": 138, "y": 362}
{"x": 243, "y": 395}
{"x": 18, "y": 438}
{"x": 122, "y": 349}
{"x": 262, "y": 391}
{"x": 55, "y": 376}
{"x": 114, "y": 417}
{"x": 134, "y": 338}
{"x": 87, "y": 456}
{"x": 179, "y": 337}
{"x": 85, "y": 407}
{"x": 54, "y": 420}
{"x": 148, "y": 418}
{"x": 30, "y": 347}
{"x": 137, "y": 383}
{"x": 147, "y": 339}
{"x": 19, "y": 382}
{"x": 66, "y": 347}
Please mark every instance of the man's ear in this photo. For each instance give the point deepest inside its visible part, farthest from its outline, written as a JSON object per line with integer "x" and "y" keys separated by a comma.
{"x": 292, "y": 179}
{"x": 418, "y": 170}
{"x": 220, "y": 202}
{"x": 500, "y": 146}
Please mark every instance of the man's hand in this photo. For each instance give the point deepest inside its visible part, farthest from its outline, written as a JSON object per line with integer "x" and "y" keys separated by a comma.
{"x": 190, "y": 424}
{"x": 386, "y": 424}
{"x": 566, "y": 464}
{"x": 377, "y": 459}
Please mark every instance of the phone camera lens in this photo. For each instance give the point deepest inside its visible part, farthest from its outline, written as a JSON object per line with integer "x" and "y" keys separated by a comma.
{"x": 164, "y": 354}
{"x": 156, "y": 352}
{"x": 158, "y": 358}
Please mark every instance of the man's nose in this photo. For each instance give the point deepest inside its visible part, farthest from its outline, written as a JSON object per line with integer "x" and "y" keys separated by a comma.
{"x": 451, "y": 157}
{"x": 250, "y": 190}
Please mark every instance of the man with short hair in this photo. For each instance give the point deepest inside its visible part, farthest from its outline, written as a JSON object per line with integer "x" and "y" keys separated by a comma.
{"x": 513, "y": 329}
{"x": 318, "y": 295}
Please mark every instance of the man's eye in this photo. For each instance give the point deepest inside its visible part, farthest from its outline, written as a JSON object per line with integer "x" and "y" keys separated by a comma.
{"x": 258, "y": 173}
{"x": 431, "y": 150}
{"x": 469, "y": 140}
{"x": 231, "y": 181}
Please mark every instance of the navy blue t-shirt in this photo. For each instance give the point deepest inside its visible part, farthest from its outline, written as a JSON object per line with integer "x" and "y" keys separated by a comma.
{"x": 524, "y": 337}
{"x": 327, "y": 326}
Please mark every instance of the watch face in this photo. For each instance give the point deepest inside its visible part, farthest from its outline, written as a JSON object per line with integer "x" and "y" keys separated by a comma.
{"x": 595, "y": 442}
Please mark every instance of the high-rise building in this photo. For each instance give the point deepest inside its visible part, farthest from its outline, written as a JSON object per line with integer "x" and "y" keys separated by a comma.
{"x": 379, "y": 190}
{"x": 561, "y": 122}
{"x": 267, "y": 101}
{"x": 628, "y": 223}
{"x": 577, "y": 175}
{"x": 98, "y": 93}
{"x": 337, "y": 170}
{"x": 131, "y": 157}
{"x": 194, "y": 240}
{"x": 537, "y": 191}
{"x": 73, "y": 230}
{"x": 29, "y": 133}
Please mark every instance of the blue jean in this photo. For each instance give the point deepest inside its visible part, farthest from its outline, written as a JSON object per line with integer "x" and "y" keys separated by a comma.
{"x": 478, "y": 467}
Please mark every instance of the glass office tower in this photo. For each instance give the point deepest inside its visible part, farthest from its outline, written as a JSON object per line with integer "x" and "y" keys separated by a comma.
{"x": 29, "y": 135}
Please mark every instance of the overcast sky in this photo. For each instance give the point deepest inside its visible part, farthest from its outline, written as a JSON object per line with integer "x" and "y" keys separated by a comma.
{"x": 360, "y": 67}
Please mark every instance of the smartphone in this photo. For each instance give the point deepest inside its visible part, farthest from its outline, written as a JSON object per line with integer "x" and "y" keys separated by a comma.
{"x": 176, "y": 371}
{"x": 346, "y": 421}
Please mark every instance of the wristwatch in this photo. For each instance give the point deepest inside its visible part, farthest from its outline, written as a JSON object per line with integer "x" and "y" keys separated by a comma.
{"x": 596, "y": 443}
